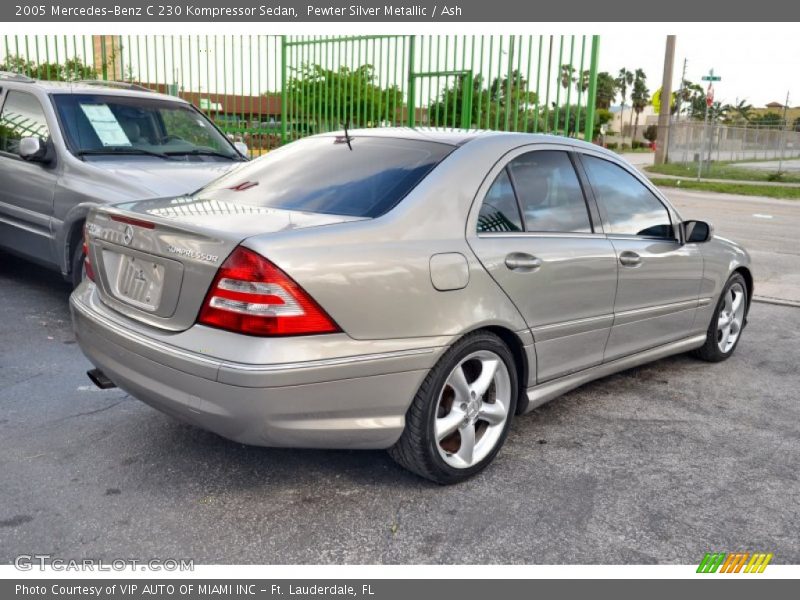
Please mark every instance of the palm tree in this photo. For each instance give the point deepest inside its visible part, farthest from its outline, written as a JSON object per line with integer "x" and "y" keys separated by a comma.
{"x": 623, "y": 81}
{"x": 582, "y": 82}
{"x": 567, "y": 75}
{"x": 640, "y": 97}
{"x": 741, "y": 111}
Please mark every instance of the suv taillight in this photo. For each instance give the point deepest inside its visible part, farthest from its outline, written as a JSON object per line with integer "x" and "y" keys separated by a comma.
{"x": 250, "y": 295}
{"x": 87, "y": 264}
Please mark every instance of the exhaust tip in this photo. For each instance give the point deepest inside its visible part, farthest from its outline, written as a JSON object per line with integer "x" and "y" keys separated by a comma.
{"x": 100, "y": 380}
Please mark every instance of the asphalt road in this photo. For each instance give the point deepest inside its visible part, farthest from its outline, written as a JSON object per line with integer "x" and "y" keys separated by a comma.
{"x": 658, "y": 464}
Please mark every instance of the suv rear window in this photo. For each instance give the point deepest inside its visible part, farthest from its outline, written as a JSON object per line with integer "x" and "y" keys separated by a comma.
{"x": 324, "y": 175}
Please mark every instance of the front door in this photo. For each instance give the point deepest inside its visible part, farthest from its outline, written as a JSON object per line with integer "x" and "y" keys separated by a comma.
{"x": 26, "y": 193}
{"x": 536, "y": 236}
{"x": 659, "y": 278}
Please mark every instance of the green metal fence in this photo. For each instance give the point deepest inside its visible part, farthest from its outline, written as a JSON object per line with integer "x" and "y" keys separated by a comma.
{"x": 268, "y": 90}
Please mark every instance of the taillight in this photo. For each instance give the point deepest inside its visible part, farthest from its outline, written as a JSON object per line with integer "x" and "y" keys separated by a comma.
{"x": 87, "y": 263}
{"x": 250, "y": 295}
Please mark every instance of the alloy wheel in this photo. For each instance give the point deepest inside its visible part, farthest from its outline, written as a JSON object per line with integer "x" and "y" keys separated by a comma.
{"x": 472, "y": 410}
{"x": 731, "y": 318}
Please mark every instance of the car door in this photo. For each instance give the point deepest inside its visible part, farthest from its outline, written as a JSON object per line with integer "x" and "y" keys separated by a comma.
{"x": 659, "y": 277}
{"x": 27, "y": 190}
{"x": 541, "y": 240}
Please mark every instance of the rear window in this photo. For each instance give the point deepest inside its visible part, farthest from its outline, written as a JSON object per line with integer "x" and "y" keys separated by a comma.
{"x": 324, "y": 175}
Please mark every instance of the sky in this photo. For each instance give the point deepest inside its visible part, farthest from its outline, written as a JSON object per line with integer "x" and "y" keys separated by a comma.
{"x": 757, "y": 67}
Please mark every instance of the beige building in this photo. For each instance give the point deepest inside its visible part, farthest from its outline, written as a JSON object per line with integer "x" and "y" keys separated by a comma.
{"x": 624, "y": 118}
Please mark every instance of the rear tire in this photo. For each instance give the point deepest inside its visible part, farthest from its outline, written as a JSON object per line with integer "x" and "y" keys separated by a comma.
{"x": 459, "y": 418}
{"x": 727, "y": 322}
{"x": 77, "y": 271}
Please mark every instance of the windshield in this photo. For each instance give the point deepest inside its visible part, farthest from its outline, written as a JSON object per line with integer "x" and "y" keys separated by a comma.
{"x": 96, "y": 124}
{"x": 364, "y": 178}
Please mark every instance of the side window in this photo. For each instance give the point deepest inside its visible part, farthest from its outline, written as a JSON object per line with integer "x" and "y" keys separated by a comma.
{"x": 549, "y": 192}
{"x": 632, "y": 209}
{"x": 499, "y": 211}
{"x": 22, "y": 116}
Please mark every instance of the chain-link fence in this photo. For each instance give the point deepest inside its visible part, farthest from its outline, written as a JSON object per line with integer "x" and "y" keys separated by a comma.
{"x": 689, "y": 142}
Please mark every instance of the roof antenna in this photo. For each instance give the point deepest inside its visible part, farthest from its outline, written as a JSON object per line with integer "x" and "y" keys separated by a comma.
{"x": 347, "y": 135}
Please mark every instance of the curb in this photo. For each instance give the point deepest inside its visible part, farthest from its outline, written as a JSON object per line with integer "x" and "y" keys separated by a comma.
{"x": 776, "y": 301}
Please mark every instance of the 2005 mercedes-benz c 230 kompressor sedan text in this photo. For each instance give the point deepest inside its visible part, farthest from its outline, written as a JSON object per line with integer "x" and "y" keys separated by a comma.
{"x": 402, "y": 289}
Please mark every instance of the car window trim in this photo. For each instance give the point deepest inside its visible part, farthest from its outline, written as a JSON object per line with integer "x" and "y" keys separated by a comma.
{"x": 598, "y": 226}
{"x": 604, "y": 213}
{"x": 11, "y": 155}
{"x": 511, "y": 180}
{"x": 510, "y": 174}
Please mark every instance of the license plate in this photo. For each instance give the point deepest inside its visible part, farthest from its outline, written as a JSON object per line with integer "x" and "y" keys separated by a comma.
{"x": 139, "y": 282}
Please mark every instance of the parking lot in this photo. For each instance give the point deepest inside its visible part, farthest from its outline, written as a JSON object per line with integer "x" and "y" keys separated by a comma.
{"x": 657, "y": 464}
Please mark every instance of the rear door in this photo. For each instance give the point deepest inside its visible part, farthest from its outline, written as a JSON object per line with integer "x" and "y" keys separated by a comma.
{"x": 542, "y": 242}
{"x": 659, "y": 277}
{"x": 27, "y": 188}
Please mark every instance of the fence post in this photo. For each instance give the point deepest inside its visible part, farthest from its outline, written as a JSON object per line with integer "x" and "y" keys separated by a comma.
{"x": 284, "y": 90}
{"x": 412, "y": 80}
{"x": 591, "y": 96}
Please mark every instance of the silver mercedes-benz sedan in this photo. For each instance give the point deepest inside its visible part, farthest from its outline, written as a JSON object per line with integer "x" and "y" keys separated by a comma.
{"x": 403, "y": 289}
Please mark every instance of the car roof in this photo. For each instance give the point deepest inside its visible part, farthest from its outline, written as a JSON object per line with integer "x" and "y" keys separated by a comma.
{"x": 459, "y": 137}
{"x": 109, "y": 88}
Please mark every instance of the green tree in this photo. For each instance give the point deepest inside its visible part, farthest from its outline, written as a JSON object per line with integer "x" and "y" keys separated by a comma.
{"x": 567, "y": 75}
{"x": 768, "y": 119}
{"x": 582, "y": 82}
{"x": 325, "y": 99}
{"x": 72, "y": 69}
{"x": 601, "y": 117}
{"x": 739, "y": 113}
{"x": 623, "y": 82}
{"x": 651, "y": 133}
{"x": 606, "y": 90}
{"x": 505, "y": 98}
{"x": 640, "y": 97}
{"x": 447, "y": 111}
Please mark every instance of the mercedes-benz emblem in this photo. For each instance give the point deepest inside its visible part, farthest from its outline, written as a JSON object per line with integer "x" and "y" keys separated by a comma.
{"x": 127, "y": 235}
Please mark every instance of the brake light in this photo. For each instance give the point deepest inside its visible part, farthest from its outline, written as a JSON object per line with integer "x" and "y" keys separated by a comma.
{"x": 87, "y": 263}
{"x": 250, "y": 295}
{"x": 132, "y": 221}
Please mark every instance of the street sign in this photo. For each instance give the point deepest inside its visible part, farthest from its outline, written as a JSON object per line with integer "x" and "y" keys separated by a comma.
{"x": 711, "y": 78}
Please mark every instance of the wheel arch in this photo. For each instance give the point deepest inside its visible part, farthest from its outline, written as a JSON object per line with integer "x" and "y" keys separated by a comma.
{"x": 748, "y": 280}
{"x": 517, "y": 348}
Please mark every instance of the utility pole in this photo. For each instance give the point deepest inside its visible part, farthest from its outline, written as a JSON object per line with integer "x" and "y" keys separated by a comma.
{"x": 783, "y": 133}
{"x": 710, "y": 78}
{"x": 666, "y": 102}
{"x": 679, "y": 99}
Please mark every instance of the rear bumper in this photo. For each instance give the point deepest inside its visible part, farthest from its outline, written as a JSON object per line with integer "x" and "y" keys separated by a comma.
{"x": 347, "y": 402}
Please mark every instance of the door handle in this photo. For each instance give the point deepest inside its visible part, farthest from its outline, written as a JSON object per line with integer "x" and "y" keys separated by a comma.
{"x": 630, "y": 259}
{"x": 520, "y": 261}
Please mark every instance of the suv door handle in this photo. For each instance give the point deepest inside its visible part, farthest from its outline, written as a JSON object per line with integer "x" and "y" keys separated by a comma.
{"x": 520, "y": 261}
{"x": 630, "y": 259}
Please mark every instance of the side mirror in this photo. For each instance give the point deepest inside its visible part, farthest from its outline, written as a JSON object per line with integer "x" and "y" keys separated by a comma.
{"x": 697, "y": 231}
{"x": 33, "y": 149}
{"x": 241, "y": 148}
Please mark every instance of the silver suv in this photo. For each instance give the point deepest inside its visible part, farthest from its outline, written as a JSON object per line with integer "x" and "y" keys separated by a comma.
{"x": 65, "y": 147}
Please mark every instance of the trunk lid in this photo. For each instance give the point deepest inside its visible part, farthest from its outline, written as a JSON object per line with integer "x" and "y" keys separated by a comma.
{"x": 154, "y": 260}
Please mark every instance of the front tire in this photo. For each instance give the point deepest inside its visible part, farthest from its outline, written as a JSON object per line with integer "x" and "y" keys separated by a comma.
{"x": 725, "y": 329}
{"x": 460, "y": 416}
